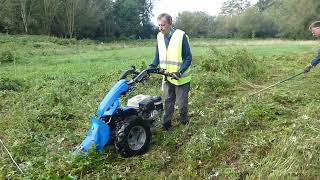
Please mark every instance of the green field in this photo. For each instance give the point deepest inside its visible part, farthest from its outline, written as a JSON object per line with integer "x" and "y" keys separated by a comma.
{"x": 50, "y": 87}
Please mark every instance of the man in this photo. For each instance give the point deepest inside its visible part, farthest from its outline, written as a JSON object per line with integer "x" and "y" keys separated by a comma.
{"x": 173, "y": 54}
{"x": 315, "y": 29}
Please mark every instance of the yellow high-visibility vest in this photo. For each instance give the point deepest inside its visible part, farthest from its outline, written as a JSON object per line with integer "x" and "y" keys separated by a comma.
{"x": 171, "y": 57}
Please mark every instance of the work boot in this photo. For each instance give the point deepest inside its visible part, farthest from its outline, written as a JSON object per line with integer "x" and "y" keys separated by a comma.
{"x": 166, "y": 126}
{"x": 184, "y": 119}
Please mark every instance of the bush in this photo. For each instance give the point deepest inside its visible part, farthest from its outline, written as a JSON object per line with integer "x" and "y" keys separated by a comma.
{"x": 9, "y": 84}
{"x": 63, "y": 42}
{"x": 6, "y": 56}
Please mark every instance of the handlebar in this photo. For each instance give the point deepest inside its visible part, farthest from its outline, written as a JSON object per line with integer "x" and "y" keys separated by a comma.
{"x": 143, "y": 74}
{"x": 132, "y": 70}
{"x": 159, "y": 71}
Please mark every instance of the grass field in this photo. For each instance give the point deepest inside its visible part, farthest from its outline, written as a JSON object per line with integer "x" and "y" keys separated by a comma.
{"x": 49, "y": 88}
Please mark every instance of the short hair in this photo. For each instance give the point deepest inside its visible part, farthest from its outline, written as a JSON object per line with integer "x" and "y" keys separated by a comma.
{"x": 314, "y": 25}
{"x": 166, "y": 16}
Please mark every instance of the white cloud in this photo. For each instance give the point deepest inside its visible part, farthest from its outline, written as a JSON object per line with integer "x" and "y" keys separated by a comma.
{"x": 173, "y": 7}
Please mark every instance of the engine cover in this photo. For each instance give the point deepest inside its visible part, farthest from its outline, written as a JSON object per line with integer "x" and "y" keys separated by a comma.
{"x": 136, "y": 100}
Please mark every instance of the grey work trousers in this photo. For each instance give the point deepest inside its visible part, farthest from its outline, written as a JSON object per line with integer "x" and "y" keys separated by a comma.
{"x": 172, "y": 94}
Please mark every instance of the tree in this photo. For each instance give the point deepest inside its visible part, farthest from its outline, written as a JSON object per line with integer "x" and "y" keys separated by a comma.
{"x": 146, "y": 28}
{"x": 70, "y": 8}
{"x": 49, "y": 12}
{"x": 16, "y": 15}
{"x": 253, "y": 23}
{"x": 195, "y": 24}
{"x": 25, "y": 7}
{"x": 2, "y": 3}
{"x": 100, "y": 19}
{"x": 294, "y": 17}
{"x": 127, "y": 19}
{"x": 264, "y": 4}
{"x": 109, "y": 19}
{"x": 225, "y": 27}
{"x": 234, "y": 7}
{"x": 132, "y": 16}
{"x": 90, "y": 19}
{"x": 3, "y": 24}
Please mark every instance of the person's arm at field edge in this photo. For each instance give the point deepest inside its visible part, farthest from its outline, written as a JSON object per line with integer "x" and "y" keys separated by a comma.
{"x": 313, "y": 63}
{"x": 316, "y": 60}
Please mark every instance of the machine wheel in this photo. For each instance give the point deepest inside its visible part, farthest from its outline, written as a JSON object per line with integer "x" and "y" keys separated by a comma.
{"x": 132, "y": 137}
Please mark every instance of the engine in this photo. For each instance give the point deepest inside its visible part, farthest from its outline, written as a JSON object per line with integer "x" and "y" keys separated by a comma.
{"x": 149, "y": 106}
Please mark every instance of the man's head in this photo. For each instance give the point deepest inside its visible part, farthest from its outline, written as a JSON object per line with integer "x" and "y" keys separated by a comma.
{"x": 164, "y": 22}
{"x": 315, "y": 28}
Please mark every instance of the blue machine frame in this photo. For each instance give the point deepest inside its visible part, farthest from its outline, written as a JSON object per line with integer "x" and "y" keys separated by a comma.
{"x": 99, "y": 133}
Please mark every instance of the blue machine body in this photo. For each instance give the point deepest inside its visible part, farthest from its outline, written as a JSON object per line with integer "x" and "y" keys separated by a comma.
{"x": 99, "y": 133}
{"x": 110, "y": 102}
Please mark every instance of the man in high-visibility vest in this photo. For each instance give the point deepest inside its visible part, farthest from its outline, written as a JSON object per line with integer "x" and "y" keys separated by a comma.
{"x": 173, "y": 54}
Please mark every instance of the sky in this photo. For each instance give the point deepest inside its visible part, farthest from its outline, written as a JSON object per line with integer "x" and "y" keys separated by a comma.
{"x": 173, "y": 7}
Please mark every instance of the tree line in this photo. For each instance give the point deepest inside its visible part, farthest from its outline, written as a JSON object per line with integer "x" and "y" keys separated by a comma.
{"x": 130, "y": 19}
{"x": 95, "y": 19}
{"x": 267, "y": 18}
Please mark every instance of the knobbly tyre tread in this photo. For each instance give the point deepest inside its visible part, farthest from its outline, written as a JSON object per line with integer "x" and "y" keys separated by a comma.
{"x": 122, "y": 132}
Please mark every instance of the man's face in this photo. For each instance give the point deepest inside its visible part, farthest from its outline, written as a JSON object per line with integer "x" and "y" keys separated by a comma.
{"x": 316, "y": 31}
{"x": 164, "y": 26}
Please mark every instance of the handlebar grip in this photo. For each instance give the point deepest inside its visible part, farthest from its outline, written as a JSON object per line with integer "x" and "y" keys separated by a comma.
{"x": 131, "y": 70}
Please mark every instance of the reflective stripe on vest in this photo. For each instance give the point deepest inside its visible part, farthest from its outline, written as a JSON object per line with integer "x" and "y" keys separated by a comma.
{"x": 171, "y": 57}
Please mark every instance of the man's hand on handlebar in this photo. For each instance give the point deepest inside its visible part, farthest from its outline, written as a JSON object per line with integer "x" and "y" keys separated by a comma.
{"x": 164, "y": 72}
{"x": 176, "y": 75}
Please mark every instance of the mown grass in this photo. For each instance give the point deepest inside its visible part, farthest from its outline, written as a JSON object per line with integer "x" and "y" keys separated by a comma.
{"x": 52, "y": 87}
